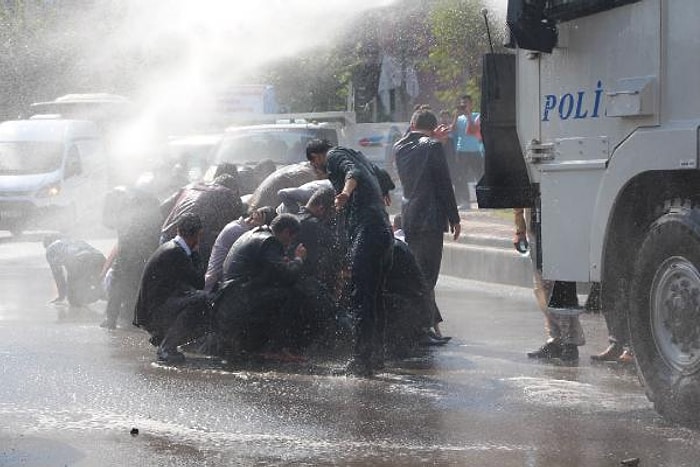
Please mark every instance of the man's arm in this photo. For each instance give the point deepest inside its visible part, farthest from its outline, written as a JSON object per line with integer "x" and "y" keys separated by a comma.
{"x": 443, "y": 185}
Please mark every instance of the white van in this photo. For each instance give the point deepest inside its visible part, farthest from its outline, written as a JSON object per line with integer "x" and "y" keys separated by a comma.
{"x": 49, "y": 169}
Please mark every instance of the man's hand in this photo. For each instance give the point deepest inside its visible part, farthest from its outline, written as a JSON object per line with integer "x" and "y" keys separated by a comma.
{"x": 456, "y": 230}
{"x": 441, "y": 132}
{"x": 300, "y": 252}
{"x": 387, "y": 200}
{"x": 340, "y": 200}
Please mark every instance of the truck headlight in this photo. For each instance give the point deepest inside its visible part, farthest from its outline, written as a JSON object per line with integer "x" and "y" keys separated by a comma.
{"x": 49, "y": 191}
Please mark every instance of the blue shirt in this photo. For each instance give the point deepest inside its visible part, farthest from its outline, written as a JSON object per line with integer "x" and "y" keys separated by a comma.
{"x": 463, "y": 141}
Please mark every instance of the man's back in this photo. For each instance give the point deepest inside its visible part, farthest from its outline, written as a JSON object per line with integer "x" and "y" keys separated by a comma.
{"x": 257, "y": 257}
{"x": 428, "y": 197}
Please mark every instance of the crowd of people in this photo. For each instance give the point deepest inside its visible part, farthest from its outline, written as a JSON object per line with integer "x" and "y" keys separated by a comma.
{"x": 313, "y": 260}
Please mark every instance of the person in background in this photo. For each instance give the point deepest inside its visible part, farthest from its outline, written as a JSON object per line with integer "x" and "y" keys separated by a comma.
{"x": 429, "y": 207}
{"x": 227, "y": 237}
{"x": 135, "y": 215}
{"x": 77, "y": 269}
{"x": 171, "y": 304}
{"x": 468, "y": 161}
{"x": 447, "y": 140}
{"x": 564, "y": 333}
{"x": 359, "y": 193}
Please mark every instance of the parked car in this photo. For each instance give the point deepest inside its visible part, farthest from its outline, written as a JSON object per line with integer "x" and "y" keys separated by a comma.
{"x": 258, "y": 149}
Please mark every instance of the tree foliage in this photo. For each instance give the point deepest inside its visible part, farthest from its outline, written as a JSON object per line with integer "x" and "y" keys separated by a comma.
{"x": 460, "y": 39}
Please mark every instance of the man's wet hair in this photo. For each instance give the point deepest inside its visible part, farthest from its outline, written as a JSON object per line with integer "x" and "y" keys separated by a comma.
{"x": 227, "y": 180}
{"x": 226, "y": 168}
{"x": 423, "y": 119}
{"x": 465, "y": 97}
{"x": 284, "y": 222}
{"x": 317, "y": 146}
{"x": 268, "y": 214}
{"x": 189, "y": 224}
{"x": 324, "y": 198}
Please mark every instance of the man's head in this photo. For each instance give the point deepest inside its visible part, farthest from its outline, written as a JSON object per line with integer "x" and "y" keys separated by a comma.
{"x": 423, "y": 120}
{"x": 285, "y": 227}
{"x": 320, "y": 204}
{"x": 189, "y": 227}
{"x": 465, "y": 103}
{"x": 445, "y": 117}
{"x": 228, "y": 181}
{"x": 226, "y": 168}
{"x": 316, "y": 151}
{"x": 262, "y": 216}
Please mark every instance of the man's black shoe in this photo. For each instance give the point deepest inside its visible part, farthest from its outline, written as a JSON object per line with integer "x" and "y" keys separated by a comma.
{"x": 569, "y": 353}
{"x": 547, "y": 351}
{"x": 170, "y": 355}
{"x": 437, "y": 337}
{"x": 426, "y": 340}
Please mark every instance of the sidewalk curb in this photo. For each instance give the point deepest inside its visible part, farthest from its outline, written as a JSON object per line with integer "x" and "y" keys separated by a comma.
{"x": 486, "y": 264}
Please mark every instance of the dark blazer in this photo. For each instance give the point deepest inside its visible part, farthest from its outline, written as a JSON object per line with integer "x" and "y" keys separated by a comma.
{"x": 169, "y": 273}
{"x": 366, "y": 204}
{"x": 258, "y": 258}
{"x": 428, "y": 197}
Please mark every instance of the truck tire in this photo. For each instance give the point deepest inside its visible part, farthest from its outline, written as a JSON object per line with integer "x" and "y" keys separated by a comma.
{"x": 664, "y": 315}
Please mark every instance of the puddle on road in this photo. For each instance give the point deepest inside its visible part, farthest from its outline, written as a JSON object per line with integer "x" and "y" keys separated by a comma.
{"x": 574, "y": 394}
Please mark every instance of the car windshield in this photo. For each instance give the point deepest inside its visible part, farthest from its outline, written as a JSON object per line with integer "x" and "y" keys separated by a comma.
{"x": 29, "y": 157}
{"x": 283, "y": 145}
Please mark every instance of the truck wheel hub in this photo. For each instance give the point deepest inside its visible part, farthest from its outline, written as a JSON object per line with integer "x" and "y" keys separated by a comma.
{"x": 675, "y": 313}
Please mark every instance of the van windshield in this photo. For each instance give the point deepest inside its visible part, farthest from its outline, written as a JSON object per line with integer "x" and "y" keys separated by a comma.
{"x": 29, "y": 157}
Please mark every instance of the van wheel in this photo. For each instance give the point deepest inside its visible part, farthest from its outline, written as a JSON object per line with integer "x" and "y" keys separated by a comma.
{"x": 664, "y": 315}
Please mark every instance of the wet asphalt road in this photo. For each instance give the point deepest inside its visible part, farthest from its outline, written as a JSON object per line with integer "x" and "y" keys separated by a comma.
{"x": 71, "y": 393}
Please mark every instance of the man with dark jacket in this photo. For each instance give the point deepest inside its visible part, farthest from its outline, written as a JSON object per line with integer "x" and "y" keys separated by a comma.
{"x": 256, "y": 309}
{"x": 429, "y": 204}
{"x": 135, "y": 215}
{"x": 216, "y": 204}
{"x": 361, "y": 196}
{"x": 171, "y": 305}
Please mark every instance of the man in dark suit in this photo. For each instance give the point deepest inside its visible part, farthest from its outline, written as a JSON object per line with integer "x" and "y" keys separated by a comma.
{"x": 171, "y": 305}
{"x": 257, "y": 309}
{"x": 360, "y": 189}
{"x": 429, "y": 205}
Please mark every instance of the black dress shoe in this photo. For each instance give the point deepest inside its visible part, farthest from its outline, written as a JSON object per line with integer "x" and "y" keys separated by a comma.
{"x": 170, "y": 355}
{"x": 569, "y": 353}
{"x": 547, "y": 351}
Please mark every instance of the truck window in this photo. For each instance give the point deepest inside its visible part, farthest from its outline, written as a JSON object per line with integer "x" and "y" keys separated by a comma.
{"x": 565, "y": 10}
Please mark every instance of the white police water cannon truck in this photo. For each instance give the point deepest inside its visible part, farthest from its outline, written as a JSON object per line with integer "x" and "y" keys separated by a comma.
{"x": 594, "y": 123}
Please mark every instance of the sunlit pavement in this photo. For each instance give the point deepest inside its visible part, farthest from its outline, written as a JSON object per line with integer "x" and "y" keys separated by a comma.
{"x": 72, "y": 392}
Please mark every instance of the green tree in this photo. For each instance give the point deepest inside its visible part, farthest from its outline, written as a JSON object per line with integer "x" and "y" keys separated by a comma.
{"x": 459, "y": 41}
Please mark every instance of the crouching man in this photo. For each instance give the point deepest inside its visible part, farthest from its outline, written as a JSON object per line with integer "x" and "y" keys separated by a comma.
{"x": 171, "y": 304}
{"x": 257, "y": 308}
